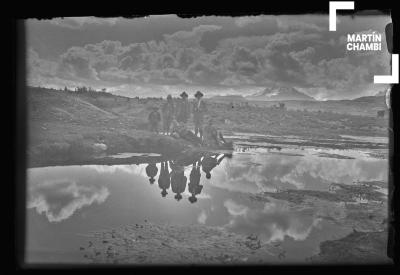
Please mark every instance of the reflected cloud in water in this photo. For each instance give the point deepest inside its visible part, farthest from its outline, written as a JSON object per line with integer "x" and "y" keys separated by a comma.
{"x": 244, "y": 173}
{"x": 259, "y": 173}
{"x": 131, "y": 169}
{"x": 277, "y": 219}
{"x": 273, "y": 222}
{"x": 202, "y": 217}
{"x": 59, "y": 199}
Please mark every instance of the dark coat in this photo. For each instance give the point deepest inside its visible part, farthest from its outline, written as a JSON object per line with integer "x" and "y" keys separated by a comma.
{"x": 183, "y": 110}
{"x": 154, "y": 117}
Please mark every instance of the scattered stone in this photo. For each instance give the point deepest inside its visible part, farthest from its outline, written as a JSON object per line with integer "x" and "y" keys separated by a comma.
{"x": 358, "y": 247}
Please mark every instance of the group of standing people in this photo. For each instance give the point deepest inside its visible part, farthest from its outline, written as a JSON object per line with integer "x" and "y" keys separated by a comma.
{"x": 181, "y": 112}
{"x": 175, "y": 117}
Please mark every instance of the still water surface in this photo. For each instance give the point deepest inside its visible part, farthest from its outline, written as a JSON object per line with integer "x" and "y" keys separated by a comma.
{"x": 67, "y": 202}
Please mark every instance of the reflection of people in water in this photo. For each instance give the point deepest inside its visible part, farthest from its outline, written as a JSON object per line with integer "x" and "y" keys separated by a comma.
{"x": 164, "y": 181}
{"x": 178, "y": 180}
{"x": 210, "y": 162}
{"x": 151, "y": 171}
{"x": 194, "y": 184}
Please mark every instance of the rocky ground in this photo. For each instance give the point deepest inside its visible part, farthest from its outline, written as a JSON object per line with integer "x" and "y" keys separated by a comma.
{"x": 356, "y": 248}
{"x": 148, "y": 243}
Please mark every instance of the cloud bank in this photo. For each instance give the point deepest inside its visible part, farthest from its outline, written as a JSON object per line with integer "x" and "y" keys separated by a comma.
{"x": 299, "y": 51}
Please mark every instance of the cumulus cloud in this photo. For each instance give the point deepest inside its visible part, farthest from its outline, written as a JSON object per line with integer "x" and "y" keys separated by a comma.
{"x": 175, "y": 60}
{"x": 79, "y": 22}
{"x": 260, "y": 173}
{"x": 202, "y": 217}
{"x": 286, "y": 24}
{"x": 131, "y": 169}
{"x": 273, "y": 222}
{"x": 38, "y": 66}
{"x": 77, "y": 63}
{"x": 303, "y": 55}
{"x": 246, "y": 20}
{"x": 60, "y": 199}
{"x": 189, "y": 38}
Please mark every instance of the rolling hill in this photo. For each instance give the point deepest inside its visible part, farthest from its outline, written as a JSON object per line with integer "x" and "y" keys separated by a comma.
{"x": 279, "y": 93}
{"x": 228, "y": 98}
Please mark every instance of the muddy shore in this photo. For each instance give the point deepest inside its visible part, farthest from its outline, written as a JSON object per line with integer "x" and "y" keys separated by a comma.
{"x": 147, "y": 243}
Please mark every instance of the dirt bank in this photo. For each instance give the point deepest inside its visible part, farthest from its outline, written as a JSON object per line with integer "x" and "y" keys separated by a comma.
{"x": 59, "y": 144}
{"x": 356, "y": 248}
{"x": 68, "y": 128}
{"x": 147, "y": 243}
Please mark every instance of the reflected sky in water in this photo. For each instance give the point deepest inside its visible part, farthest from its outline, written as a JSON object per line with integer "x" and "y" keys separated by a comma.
{"x": 66, "y": 202}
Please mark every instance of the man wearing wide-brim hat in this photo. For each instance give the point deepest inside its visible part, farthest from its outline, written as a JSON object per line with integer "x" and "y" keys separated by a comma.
{"x": 183, "y": 112}
{"x": 198, "y": 94}
{"x": 154, "y": 118}
{"x": 168, "y": 112}
{"x": 199, "y": 109}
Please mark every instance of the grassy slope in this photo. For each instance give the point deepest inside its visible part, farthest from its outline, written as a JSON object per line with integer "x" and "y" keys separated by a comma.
{"x": 64, "y": 127}
{"x": 298, "y": 121}
{"x": 364, "y": 106}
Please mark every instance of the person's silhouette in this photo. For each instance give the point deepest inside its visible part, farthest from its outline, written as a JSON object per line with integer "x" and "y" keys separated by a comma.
{"x": 151, "y": 171}
{"x": 178, "y": 180}
{"x": 194, "y": 184}
{"x": 164, "y": 180}
{"x": 210, "y": 162}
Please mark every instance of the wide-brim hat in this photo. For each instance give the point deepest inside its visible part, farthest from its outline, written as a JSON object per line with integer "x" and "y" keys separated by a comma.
{"x": 198, "y": 94}
{"x": 192, "y": 199}
{"x": 184, "y": 94}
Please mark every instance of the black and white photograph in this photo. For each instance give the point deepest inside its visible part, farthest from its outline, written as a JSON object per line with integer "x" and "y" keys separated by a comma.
{"x": 208, "y": 140}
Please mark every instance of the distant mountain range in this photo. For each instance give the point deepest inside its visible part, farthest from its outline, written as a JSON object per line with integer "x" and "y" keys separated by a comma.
{"x": 228, "y": 98}
{"x": 279, "y": 93}
{"x": 378, "y": 96}
{"x": 381, "y": 93}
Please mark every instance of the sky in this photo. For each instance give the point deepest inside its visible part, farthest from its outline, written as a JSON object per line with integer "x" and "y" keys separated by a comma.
{"x": 165, "y": 54}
